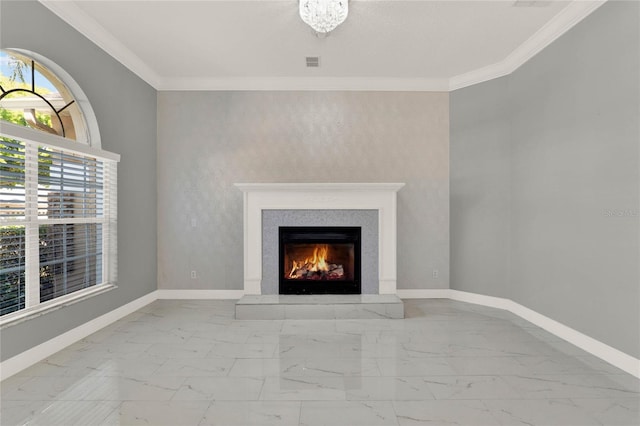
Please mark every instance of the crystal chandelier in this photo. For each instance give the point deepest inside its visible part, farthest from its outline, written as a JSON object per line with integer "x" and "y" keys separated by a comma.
{"x": 324, "y": 15}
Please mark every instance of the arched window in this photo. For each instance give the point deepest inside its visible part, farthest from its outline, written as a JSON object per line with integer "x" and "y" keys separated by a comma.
{"x": 35, "y": 92}
{"x": 57, "y": 190}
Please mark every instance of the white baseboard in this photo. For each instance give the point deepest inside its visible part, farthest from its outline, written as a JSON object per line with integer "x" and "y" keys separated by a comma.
{"x": 603, "y": 351}
{"x": 36, "y": 354}
{"x": 595, "y": 347}
{"x": 437, "y": 293}
{"x": 200, "y": 294}
{"x": 481, "y": 299}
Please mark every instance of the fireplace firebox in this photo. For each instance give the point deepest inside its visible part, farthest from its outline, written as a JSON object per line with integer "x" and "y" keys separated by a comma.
{"x": 320, "y": 260}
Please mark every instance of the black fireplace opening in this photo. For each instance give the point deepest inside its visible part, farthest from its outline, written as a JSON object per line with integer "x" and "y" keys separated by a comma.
{"x": 320, "y": 260}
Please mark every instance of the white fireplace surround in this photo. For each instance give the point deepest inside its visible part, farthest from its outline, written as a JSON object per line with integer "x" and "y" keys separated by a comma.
{"x": 320, "y": 196}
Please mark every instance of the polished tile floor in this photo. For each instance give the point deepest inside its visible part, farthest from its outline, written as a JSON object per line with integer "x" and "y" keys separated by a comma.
{"x": 191, "y": 363}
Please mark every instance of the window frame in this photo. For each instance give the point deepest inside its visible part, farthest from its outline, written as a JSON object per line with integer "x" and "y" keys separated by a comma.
{"x": 34, "y": 139}
{"x": 90, "y": 134}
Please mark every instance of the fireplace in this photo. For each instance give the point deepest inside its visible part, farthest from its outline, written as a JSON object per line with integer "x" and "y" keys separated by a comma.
{"x": 378, "y": 274}
{"x": 319, "y": 260}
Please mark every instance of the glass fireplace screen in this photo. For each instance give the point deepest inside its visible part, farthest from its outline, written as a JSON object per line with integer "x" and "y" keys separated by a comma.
{"x": 320, "y": 260}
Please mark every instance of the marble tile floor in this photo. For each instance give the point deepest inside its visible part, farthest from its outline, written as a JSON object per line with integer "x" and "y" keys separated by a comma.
{"x": 447, "y": 363}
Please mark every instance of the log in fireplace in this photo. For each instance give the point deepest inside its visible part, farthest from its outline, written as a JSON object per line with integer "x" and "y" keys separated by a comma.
{"x": 320, "y": 260}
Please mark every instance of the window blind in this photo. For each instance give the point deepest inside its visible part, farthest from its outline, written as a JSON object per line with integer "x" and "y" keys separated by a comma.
{"x": 70, "y": 258}
{"x": 12, "y": 266}
{"x": 12, "y": 236}
{"x": 12, "y": 179}
{"x": 70, "y": 186}
{"x": 58, "y": 217}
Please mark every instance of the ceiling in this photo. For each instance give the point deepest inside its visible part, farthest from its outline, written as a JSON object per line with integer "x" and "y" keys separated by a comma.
{"x": 383, "y": 45}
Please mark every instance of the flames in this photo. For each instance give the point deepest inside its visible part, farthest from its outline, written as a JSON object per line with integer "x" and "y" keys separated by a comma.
{"x": 317, "y": 266}
{"x": 317, "y": 262}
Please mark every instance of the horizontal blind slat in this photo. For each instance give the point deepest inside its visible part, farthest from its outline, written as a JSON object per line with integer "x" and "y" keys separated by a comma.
{"x": 70, "y": 185}
{"x": 12, "y": 268}
{"x": 12, "y": 179}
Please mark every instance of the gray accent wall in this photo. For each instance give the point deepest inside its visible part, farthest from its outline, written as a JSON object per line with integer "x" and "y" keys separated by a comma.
{"x": 545, "y": 181}
{"x": 207, "y": 141}
{"x": 125, "y": 107}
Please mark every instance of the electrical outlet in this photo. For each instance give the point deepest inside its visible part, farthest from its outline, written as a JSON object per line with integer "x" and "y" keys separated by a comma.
{"x": 435, "y": 273}
{"x": 194, "y": 222}
{"x": 194, "y": 275}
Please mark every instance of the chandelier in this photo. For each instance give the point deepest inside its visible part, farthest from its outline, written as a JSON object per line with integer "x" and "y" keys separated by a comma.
{"x": 324, "y": 15}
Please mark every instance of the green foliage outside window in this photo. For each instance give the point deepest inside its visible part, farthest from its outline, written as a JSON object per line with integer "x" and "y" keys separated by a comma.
{"x": 12, "y": 252}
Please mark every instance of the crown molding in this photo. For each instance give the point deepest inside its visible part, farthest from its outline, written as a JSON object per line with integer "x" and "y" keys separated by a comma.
{"x": 307, "y": 83}
{"x": 566, "y": 19}
{"x": 69, "y": 12}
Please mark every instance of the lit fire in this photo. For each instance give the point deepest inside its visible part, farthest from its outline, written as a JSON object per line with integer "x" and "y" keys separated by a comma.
{"x": 317, "y": 266}
{"x": 315, "y": 263}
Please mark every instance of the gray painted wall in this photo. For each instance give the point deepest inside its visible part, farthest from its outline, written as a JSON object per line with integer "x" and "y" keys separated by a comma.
{"x": 480, "y": 184}
{"x": 570, "y": 136}
{"x": 125, "y": 107}
{"x": 209, "y": 140}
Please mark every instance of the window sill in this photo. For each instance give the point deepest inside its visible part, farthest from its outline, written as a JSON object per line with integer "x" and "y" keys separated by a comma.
{"x": 52, "y": 305}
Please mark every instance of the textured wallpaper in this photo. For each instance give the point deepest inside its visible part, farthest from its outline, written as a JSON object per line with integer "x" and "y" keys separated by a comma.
{"x": 207, "y": 141}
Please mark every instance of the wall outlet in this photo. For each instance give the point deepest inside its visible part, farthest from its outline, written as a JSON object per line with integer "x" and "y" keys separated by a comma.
{"x": 194, "y": 222}
{"x": 435, "y": 273}
{"x": 194, "y": 275}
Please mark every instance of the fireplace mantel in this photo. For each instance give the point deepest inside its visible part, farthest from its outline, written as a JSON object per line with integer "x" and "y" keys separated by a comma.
{"x": 320, "y": 196}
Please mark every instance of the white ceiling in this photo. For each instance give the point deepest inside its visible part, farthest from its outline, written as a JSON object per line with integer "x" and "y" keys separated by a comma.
{"x": 383, "y": 45}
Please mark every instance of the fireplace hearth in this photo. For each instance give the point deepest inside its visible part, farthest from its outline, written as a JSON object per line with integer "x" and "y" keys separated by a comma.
{"x": 291, "y": 204}
{"x": 320, "y": 260}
